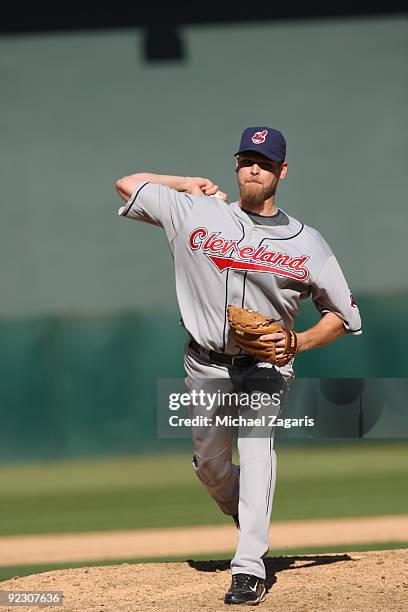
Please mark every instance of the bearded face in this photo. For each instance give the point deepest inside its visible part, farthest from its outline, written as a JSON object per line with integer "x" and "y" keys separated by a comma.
{"x": 252, "y": 194}
{"x": 258, "y": 178}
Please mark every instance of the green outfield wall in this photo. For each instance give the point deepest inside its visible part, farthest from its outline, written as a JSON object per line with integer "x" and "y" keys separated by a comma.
{"x": 86, "y": 385}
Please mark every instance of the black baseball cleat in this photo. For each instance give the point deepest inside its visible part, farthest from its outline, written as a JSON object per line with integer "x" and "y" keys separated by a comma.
{"x": 246, "y": 589}
{"x": 236, "y": 520}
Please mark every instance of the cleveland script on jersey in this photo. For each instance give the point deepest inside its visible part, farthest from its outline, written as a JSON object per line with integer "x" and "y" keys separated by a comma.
{"x": 222, "y": 257}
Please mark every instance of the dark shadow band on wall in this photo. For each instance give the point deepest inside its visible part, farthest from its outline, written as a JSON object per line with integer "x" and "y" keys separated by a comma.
{"x": 51, "y": 17}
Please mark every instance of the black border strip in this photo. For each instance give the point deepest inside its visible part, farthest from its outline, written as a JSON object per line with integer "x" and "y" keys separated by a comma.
{"x": 243, "y": 289}
{"x": 226, "y": 294}
{"x": 268, "y": 494}
{"x": 225, "y": 312}
{"x": 273, "y": 239}
{"x": 134, "y": 199}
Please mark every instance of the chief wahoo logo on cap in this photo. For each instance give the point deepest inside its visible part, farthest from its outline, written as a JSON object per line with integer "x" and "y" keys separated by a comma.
{"x": 259, "y": 137}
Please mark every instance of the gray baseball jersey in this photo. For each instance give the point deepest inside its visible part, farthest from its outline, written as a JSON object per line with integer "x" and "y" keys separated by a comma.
{"x": 222, "y": 257}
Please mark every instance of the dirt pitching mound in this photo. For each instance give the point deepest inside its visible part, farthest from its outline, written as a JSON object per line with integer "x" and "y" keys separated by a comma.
{"x": 368, "y": 581}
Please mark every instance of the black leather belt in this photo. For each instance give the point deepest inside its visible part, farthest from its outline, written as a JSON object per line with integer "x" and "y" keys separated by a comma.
{"x": 220, "y": 358}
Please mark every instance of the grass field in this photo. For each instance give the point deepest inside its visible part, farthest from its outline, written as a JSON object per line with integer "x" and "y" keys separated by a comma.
{"x": 333, "y": 480}
{"x": 26, "y": 570}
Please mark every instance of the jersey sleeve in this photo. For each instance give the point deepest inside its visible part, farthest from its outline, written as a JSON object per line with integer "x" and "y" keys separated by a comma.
{"x": 330, "y": 293}
{"x": 158, "y": 205}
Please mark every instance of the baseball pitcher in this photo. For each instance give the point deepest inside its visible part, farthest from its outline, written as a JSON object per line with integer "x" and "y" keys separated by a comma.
{"x": 241, "y": 270}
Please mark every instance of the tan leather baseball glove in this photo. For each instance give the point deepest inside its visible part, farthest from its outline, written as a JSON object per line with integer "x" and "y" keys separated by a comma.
{"x": 248, "y": 326}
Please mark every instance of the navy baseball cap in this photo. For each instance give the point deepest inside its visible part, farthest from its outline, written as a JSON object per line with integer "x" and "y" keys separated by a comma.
{"x": 264, "y": 140}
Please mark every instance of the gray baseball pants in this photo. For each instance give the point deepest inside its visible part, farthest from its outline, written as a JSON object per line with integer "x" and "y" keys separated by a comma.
{"x": 247, "y": 489}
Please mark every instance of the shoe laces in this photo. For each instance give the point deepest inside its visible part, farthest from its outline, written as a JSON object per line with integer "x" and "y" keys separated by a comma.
{"x": 240, "y": 580}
